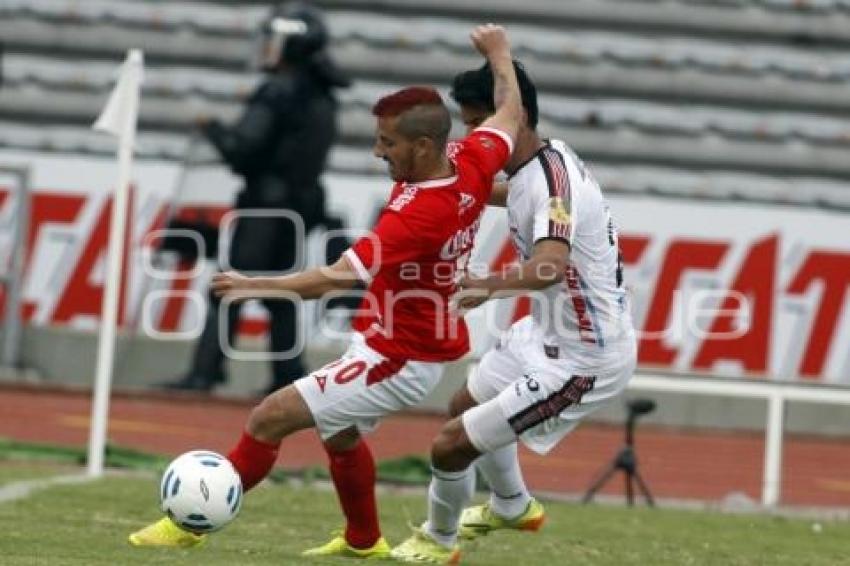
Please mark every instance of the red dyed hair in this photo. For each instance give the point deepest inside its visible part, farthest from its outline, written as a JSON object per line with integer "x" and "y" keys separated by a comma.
{"x": 405, "y": 99}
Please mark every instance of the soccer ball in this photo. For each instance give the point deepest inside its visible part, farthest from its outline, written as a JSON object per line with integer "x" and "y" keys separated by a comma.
{"x": 200, "y": 491}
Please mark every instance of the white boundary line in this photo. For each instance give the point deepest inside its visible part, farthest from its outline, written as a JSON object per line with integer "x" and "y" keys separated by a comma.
{"x": 23, "y": 489}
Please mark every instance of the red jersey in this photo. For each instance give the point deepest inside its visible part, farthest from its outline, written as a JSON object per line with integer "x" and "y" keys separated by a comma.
{"x": 410, "y": 258}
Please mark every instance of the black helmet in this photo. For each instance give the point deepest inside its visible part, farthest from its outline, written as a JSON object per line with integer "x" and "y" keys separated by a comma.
{"x": 293, "y": 34}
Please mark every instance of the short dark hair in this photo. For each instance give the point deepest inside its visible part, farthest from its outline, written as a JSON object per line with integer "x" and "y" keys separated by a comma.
{"x": 421, "y": 111}
{"x": 475, "y": 88}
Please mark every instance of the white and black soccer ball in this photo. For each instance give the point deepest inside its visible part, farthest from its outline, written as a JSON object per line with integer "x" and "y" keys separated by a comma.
{"x": 200, "y": 491}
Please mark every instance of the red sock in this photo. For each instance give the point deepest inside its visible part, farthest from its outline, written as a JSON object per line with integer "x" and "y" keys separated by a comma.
{"x": 353, "y": 473}
{"x": 253, "y": 459}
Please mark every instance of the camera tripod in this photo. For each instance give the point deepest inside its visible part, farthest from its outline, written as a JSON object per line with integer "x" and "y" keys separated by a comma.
{"x": 626, "y": 459}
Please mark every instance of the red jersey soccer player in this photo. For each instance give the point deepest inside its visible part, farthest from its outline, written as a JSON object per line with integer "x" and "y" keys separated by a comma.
{"x": 406, "y": 333}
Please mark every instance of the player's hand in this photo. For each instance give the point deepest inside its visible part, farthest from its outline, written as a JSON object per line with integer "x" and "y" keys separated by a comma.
{"x": 471, "y": 293}
{"x": 491, "y": 40}
{"x": 230, "y": 283}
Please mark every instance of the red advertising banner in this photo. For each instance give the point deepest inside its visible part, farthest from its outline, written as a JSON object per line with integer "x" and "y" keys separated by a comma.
{"x": 719, "y": 287}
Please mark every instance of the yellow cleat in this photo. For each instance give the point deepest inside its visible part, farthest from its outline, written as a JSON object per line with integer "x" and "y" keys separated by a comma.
{"x": 165, "y": 533}
{"x": 338, "y": 546}
{"x": 481, "y": 520}
{"x": 422, "y": 549}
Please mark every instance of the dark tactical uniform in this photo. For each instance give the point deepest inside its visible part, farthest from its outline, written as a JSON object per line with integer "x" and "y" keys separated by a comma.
{"x": 279, "y": 146}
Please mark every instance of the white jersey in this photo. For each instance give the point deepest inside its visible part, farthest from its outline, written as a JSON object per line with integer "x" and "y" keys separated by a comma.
{"x": 586, "y": 317}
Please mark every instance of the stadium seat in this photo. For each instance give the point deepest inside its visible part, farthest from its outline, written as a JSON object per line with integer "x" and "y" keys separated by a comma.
{"x": 734, "y": 110}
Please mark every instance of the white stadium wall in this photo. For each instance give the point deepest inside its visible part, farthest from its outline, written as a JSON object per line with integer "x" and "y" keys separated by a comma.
{"x": 688, "y": 263}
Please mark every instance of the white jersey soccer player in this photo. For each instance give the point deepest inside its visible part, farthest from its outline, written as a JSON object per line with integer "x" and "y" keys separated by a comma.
{"x": 577, "y": 348}
{"x": 575, "y": 351}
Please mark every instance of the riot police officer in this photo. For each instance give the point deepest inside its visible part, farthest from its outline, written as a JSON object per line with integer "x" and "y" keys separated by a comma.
{"x": 278, "y": 146}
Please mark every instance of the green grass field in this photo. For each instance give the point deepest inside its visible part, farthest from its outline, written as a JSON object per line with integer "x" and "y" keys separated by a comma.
{"x": 11, "y": 472}
{"x": 88, "y": 524}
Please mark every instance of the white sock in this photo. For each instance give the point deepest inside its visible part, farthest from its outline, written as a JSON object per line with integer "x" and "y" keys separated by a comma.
{"x": 449, "y": 493}
{"x": 508, "y": 495}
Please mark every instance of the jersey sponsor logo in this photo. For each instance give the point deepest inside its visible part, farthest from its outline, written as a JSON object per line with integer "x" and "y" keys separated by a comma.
{"x": 558, "y": 181}
{"x": 558, "y": 210}
{"x": 467, "y": 201}
{"x": 487, "y": 143}
{"x": 405, "y": 198}
{"x": 531, "y": 383}
{"x": 460, "y": 242}
{"x": 322, "y": 381}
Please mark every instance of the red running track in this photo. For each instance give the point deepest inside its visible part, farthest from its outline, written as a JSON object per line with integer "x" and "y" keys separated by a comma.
{"x": 677, "y": 463}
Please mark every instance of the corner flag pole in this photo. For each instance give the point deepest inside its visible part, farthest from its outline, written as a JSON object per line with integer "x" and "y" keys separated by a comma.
{"x": 118, "y": 119}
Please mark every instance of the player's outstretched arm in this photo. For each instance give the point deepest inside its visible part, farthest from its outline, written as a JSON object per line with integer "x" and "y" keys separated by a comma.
{"x": 492, "y": 42}
{"x": 545, "y": 267}
{"x": 310, "y": 284}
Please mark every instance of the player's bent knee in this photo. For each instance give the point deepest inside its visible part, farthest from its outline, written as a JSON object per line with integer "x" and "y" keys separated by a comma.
{"x": 442, "y": 450}
{"x": 279, "y": 415}
{"x": 343, "y": 441}
{"x": 452, "y": 450}
{"x": 461, "y": 401}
